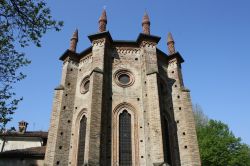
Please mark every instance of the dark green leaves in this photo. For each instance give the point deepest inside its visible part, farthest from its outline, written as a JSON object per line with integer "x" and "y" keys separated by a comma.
{"x": 27, "y": 20}
{"x": 218, "y": 146}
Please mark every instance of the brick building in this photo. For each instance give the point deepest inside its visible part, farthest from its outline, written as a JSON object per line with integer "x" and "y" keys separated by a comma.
{"x": 22, "y": 148}
{"x": 122, "y": 103}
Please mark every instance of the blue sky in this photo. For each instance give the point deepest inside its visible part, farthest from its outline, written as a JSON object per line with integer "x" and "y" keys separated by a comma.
{"x": 212, "y": 36}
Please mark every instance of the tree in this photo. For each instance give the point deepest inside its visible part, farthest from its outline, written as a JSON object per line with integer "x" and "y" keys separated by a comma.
{"x": 21, "y": 22}
{"x": 200, "y": 118}
{"x": 218, "y": 145}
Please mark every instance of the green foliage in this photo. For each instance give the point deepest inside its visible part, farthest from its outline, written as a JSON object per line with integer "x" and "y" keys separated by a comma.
{"x": 21, "y": 22}
{"x": 26, "y": 20}
{"x": 218, "y": 146}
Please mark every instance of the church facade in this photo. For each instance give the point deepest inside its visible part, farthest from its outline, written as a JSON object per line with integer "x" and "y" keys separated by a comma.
{"x": 122, "y": 103}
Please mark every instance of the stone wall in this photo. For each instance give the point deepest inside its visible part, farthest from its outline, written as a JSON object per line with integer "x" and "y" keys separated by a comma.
{"x": 182, "y": 109}
{"x": 155, "y": 92}
{"x": 21, "y": 162}
{"x": 20, "y": 143}
{"x": 58, "y": 146}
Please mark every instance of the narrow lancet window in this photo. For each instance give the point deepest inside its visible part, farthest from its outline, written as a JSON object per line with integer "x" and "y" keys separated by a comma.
{"x": 81, "y": 141}
{"x": 125, "y": 145}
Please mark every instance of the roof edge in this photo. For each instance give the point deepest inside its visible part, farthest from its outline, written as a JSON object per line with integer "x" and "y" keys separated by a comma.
{"x": 143, "y": 36}
{"x": 176, "y": 55}
{"x": 66, "y": 54}
{"x": 100, "y": 35}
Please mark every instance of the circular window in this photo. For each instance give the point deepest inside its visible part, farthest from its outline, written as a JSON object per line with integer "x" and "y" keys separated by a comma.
{"x": 124, "y": 78}
{"x": 84, "y": 87}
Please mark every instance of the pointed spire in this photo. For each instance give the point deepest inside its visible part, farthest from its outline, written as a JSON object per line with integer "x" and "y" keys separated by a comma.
{"x": 73, "y": 41}
{"x": 146, "y": 24}
{"x": 170, "y": 37}
{"x": 170, "y": 43}
{"x": 103, "y": 21}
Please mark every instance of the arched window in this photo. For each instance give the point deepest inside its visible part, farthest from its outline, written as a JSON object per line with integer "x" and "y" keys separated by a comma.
{"x": 125, "y": 145}
{"x": 81, "y": 141}
{"x": 125, "y": 136}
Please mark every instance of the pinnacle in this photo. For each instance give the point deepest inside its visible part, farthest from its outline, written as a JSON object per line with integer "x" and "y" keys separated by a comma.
{"x": 75, "y": 35}
{"x": 170, "y": 37}
{"x": 170, "y": 44}
{"x": 145, "y": 18}
{"x": 103, "y": 17}
{"x": 73, "y": 41}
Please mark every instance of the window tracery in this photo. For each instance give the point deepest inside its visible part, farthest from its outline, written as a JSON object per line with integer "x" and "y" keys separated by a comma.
{"x": 81, "y": 142}
{"x": 125, "y": 146}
